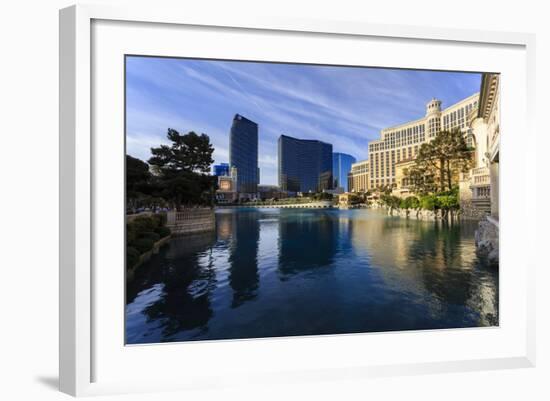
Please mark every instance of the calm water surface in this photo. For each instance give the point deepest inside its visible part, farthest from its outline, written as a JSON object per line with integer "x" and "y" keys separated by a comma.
{"x": 285, "y": 272}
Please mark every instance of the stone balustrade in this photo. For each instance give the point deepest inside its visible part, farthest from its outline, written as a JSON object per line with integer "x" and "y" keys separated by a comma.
{"x": 191, "y": 220}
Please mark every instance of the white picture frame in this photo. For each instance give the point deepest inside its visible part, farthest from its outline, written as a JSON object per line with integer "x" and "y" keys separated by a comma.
{"x": 79, "y": 344}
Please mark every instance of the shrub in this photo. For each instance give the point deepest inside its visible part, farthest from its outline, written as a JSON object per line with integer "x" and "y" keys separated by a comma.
{"x": 143, "y": 244}
{"x": 132, "y": 257}
{"x": 413, "y": 202}
{"x": 448, "y": 202}
{"x": 159, "y": 219}
{"x": 153, "y": 236}
{"x": 390, "y": 200}
{"x": 143, "y": 224}
{"x": 429, "y": 202}
{"x": 163, "y": 231}
{"x": 146, "y": 227}
{"x": 131, "y": 233}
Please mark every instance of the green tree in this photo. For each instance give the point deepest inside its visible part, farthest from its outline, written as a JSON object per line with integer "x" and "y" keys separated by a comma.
{"x": 322, "y": 196}
{"x": 141, "y": 186}
{"x": 354, "y": 199}
{"x": 390, "y": 201}
{"x": 439, "y": 162}
{"x": 429, "y": 202}
{"x": 137, "y": 173}
{"x": 182, "y": 168}
{"x": 410, "y": 202}
{"x": 189, "y": 153}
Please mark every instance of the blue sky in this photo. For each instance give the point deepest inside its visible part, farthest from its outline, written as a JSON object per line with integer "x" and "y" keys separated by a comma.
{"x": 345, "y": 106}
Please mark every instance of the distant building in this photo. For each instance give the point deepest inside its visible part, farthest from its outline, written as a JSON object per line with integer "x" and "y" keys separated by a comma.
{"x": 243, "y": 154}
{"x": 341, "y": 166}
{"x": 226, "y": 192}
{"x": 270, "y": 192}
{"x": 304, "y": 165}
{"x": 358, "y": 177}
{"x": 221, "y": 169}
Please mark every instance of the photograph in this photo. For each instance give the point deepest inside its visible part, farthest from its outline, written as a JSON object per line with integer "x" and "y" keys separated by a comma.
{"x": 275, "y": 199}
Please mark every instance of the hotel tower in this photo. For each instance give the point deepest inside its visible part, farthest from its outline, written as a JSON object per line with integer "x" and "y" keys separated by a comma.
{"x": 400, "y": 143}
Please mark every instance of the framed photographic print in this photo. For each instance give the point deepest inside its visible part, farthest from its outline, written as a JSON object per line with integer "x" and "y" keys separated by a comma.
{"x": 281, "y": 200}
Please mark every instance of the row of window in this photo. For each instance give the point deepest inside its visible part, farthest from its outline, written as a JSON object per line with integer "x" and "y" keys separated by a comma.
{"x": 358, "y": 183}
{"x": 403, "y": 137}
{"x": 457, "y": 118}
{"x": 381, "y": 182}
{"x": 380, "y": 162}
{"x": 362, "y": 168}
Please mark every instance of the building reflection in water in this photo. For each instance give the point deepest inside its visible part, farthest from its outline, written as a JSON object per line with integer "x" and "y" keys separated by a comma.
{"x": 434, "y": 260}
{"x": 243, "y": 253}
{"x": 307, "y": 240}
{"x": 281, "y": 272}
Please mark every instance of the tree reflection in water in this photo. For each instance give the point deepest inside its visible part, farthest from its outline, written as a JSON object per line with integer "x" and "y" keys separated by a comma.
{"x": 187, "y": 274}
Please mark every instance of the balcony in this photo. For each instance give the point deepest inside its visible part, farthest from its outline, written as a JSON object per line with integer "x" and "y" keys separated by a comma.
{"x": 480, "y": 185}
{"x": 479, "y": 177}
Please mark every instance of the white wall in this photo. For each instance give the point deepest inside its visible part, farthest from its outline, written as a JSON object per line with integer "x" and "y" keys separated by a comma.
{"x": 28, "y": 223}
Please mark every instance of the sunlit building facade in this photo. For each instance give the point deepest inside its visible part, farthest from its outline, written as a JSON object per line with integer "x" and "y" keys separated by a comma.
{"x": 402, "y": 142}
{"x": 479, "y": 186}
{"x": 358, "y": 177}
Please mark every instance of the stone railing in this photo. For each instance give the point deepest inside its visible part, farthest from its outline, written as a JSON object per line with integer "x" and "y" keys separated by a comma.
{"x": 480, "y": 177}
{"x": 192, "y": 220}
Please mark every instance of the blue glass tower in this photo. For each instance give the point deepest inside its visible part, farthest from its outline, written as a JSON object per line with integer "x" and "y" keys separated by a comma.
{"x": 304, "y": 165}
{"x": 221, "y": 170}
{"x": 341, "y": 166}
{"x": 243, "y": 154}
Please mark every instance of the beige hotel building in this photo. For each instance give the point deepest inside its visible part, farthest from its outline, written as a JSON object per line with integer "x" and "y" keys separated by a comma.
{"x": 400, "y": 143}
{"x": 358, "y": 177}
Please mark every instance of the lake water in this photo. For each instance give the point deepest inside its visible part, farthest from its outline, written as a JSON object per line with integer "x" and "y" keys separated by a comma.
{"x": 288, "y": 272}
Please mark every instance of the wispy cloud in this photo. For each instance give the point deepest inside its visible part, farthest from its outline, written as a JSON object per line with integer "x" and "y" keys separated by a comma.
{"x": 344, "y": 106}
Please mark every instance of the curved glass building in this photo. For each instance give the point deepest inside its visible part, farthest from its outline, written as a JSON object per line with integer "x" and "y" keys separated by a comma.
{"x": 305, "y": 165}
{"x": 341, "y": 166}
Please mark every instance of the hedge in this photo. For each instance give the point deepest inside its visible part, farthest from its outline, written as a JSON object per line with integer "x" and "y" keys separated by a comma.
{"x": 141, "y": 235}
{"x": 132, "y": 257}
{"x": 163, "y": 231}
{"x": 153, "y": 236}
{"x": 143, "y": 224}
{"x": 143, "y": 244}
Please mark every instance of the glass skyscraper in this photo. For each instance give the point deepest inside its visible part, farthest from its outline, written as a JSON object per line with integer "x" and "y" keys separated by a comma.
{"x": 341, "y": 166}
{"x": 243, "y": 154}
{"x": 304, "y": 165}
